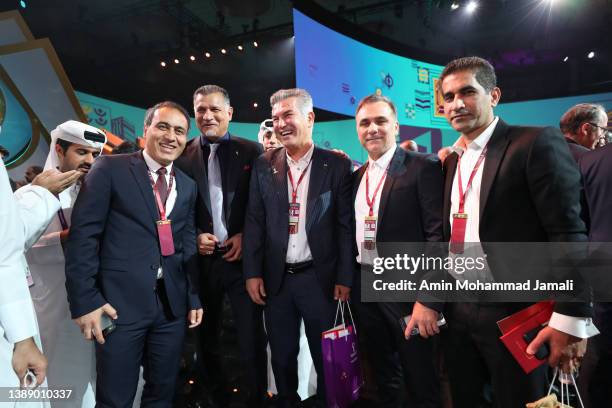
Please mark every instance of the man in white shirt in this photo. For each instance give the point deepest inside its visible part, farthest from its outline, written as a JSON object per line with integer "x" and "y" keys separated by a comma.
{"x": 74, "y": 146}
{"x": 297, "y": 239}
{"x": 525, "y": 188}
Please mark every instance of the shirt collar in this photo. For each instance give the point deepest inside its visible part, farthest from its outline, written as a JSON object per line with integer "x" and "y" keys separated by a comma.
{"x": 205, "y": 142}
{"x": 153, "y": 165}
{"x": 481, "y": 141}
{"x": 305, "y": 159}
{"x": 384, "y": 160}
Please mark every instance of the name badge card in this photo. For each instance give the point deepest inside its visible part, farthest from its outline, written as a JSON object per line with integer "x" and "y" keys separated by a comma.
{"x": 369, "y": 232}
{"x": 294, "y": 217}
{"x": 164, "y": 232}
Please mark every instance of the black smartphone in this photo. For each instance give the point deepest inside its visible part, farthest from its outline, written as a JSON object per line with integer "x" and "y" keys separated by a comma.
{"x": 108, "y": 325}
{"x": 403, "y": 321}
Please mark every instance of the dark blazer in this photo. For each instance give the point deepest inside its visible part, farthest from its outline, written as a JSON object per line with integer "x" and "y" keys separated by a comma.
{"x": 410, "y": 208}
{"x": 596, "y": 169}
{"x": 577, "y": 150}
{"x": 328, "y": 217}
{"x": 236, "y": 157}
{"x": 113, "y": 254}
{"x": 530, "y": 192}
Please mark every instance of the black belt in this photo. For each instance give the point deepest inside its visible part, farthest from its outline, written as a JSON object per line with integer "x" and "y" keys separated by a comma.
{"x": 297, "y": 267}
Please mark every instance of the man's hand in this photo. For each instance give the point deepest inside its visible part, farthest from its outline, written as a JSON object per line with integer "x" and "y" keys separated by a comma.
{"x": 56, "y": 181}
{"x": 90, "y": 323}
{"x": 565, "y": 350}
{"x": 195, "y": 317}
{"x": 206, "y": 243}
{"x": 27, "y": 356}
{"x": 235, "y": 248}
{"x": 341, "y": 153}
{"x": 256, "y": 290}
{"x": 64, "y": 235}
{"x": 341, "y": 292}
{"x": 425, "y": 319}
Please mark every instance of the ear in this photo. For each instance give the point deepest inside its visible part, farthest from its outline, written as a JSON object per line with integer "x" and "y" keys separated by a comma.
{"x": 59, "y": 151}
{"x": 495, "y": 96}
{"x": 396, "y": 128}
{"x": 230, "y": 112}
{"x": 310, "y": 118}
{"x": 585, "y": 128}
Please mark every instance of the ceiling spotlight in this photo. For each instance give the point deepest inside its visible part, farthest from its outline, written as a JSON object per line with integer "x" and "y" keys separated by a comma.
{"x": 255, "y": 44}
{"x": 207, "y": 55}
{"x": 565, "y": 59}
{"x": 471, "y": 7}
{"x": 591, "y": 55}
{"x": 255, "y": 104}
{"x": 163, "y": 63}
{"x": 23, "y": 4}
{"x": 192, "y": 58}
{"x": 176, "y": 61}
{"x": 223, "y": 51}
{"x": 454, "y": 6}
{"x": 240, "y": 48}
{"x": 191, "y": 381}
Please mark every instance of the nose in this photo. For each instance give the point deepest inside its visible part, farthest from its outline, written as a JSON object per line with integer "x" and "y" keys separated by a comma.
{"x": 457, "y": 103}
{"x": 372, "y": 128}
{"x": 207, "y": 115}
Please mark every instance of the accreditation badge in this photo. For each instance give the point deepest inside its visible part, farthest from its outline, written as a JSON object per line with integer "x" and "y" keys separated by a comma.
{"x": 164, "y": 232}
{"x": 294, "y": 217}
{"x": 369, "y": 232}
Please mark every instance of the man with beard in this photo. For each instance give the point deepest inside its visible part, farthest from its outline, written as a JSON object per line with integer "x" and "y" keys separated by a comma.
{"x": 221, "y": 163}
{"x": 74, "y": 146}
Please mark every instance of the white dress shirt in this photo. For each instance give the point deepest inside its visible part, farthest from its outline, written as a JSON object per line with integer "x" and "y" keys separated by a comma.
{"x": 298, "y": 249}
{"x": 576, "y": 326}
{"x": 153, "y": 167}
{"x": 376, "y": 170}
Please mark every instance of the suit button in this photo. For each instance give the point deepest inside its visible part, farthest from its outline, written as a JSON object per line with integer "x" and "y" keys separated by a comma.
{"x": 210, "y": 224}
{"x": 155, "y": 267}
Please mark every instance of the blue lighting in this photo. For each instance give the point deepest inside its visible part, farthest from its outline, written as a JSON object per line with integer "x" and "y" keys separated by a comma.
{"x": 22, "y": 4}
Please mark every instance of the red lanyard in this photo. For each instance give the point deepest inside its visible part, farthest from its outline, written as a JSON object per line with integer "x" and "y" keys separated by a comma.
{"x": 371, "y": 202}
{"x": 295, "y": 188}
{"x": 469, "y": 184}
{"x": 161, "y": 206}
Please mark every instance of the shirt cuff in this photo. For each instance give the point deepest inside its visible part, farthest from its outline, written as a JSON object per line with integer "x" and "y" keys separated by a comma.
{"x": 581, "y": 327}
{"x": 18, "y": 320}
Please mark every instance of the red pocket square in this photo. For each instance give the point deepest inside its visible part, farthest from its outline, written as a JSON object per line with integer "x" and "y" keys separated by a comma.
{"x": 246, "y": 167}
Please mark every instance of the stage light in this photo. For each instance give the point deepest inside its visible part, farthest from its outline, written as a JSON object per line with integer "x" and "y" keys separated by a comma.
{"x": 255, "y": 104}
{"x": 207, "y": 55}
{"x": 235, "y": 390}
{"x": 223, "y": 51}
{"x": 176, "y": 61}
{"x": 191, "y": 382}
{"x": 240, "y": 48}
{"x": 454, "y": 6}
{"x": 23, "y": 4}
{"x": 255, "y": 44}
{"x": 591, "y": 55}
{"x": 471, "y": 7}
{"x": 565, "y": 59}
{"x": 163, "y": 63}
{"x": 192, "y": 58}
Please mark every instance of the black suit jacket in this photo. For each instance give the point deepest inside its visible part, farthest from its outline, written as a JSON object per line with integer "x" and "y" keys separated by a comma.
{"x": 596, "y": 169}
{"x": 236, "y": 157}
{"x": 576, "y": 149}
{"x": 328, "y": 218}
{"x": 530, "y": 192}
{"x": 113, "y": 254}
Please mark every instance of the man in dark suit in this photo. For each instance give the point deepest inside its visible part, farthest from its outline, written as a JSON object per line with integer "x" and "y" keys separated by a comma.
{"x": 131, "y": 256}
{"x": 595, "y": 379}
{"x": 582, "y": 126}
{"x": 298, "y": 251}
{"x": 525, "y": 188}
{"x": 398, "y": 198}
{"x": 221, "y": 163}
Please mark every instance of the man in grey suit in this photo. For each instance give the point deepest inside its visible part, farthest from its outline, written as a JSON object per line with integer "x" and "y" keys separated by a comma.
{"x": 297, "y": 239}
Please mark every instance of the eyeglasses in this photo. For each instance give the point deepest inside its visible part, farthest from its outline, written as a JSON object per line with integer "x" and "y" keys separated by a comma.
{"x": 605, "y": 129}
{"x": 606, "y": 136}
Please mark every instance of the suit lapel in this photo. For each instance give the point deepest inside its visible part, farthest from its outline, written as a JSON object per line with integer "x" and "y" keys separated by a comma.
{"x": 450, "y": 166}
{"x": 179, "y": 182}
{"x": 231, "y": 157}
{"x": 318, "y": 172}
{"x": 279, "y": 177}
{"x": 360, "y": 172}
{"x": 495, "y": 152}
{"x": 139, "y": 171}
{"x": 201, "y": 173}
{"x": 396, "y": 168}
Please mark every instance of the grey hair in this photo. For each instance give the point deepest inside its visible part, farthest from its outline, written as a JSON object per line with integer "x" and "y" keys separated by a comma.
{"x": 579, "y": 114}
{"x": 211, "y": 89}
{"x": 304, "y": 100}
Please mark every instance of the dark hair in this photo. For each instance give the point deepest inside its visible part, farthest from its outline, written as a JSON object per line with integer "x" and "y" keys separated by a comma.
{"x": 3, "y": 151}
{"x": 125, "y": 147}
{"x": 579, "y": 114}
{"x": 211, "y": 89}
{"x": 166, "y": 104}
{"x": 482, "y": 69}
{"x": 64, "y": 144}
{"x": 374, "y": 98}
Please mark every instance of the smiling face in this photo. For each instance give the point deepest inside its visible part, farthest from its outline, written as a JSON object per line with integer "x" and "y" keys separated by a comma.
{"x": 377, "y": 128}
{"x": 468, "y": 107}
{"x": 212, "y": 114}
{"x": 293, "y": 130}
{"x": 166, "y": 136}
{"x": 76, "y": 157}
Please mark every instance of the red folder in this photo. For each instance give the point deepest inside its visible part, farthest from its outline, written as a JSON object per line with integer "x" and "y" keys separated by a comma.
{"x": 515, "y": 326}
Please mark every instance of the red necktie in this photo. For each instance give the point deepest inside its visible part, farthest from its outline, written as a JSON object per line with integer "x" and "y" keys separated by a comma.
{"x": 161, "y": 184}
